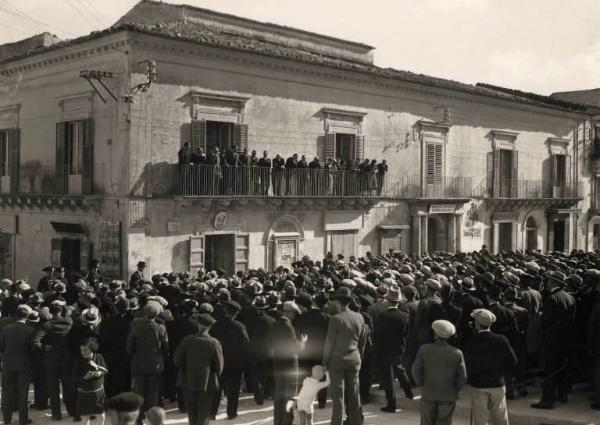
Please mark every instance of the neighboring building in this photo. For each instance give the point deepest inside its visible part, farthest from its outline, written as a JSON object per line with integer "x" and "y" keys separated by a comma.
{"x": 590, "y": 162}
{"x": 82, "y": 178}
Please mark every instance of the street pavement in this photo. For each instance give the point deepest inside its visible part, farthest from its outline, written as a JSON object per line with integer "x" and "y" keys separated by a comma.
{"x": 576, "y": 412}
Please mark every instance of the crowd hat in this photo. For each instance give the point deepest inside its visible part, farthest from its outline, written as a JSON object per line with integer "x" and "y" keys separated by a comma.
{"x": 124, "y": 402}
{"x": 394, "y": 295}
{"x": 443, "y": 328}
{"x": 468, "y": 284}
{"x": 484, "y": 317}
{"x": 556, "y": 277}
{"x": 204, "y": 319}
{"x": 343, "y": 294}
{"x": 260, "y": 302}
{"x": 291, "y": 307}
{"x": 90, "y": 316}
{"x": 433, "y": 284}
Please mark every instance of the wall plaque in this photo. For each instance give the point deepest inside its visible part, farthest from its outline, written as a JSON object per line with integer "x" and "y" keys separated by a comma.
{"x": 220, "y": 220}
{"x": 442, "y": 209}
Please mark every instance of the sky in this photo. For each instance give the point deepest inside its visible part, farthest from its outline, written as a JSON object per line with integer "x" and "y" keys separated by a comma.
{"x": 541, "y": 46}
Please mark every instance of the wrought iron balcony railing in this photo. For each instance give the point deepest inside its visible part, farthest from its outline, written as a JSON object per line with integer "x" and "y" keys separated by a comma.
{"x": 528, "y": 189}
{"x": 37, "y": 178}
{"x": 416, "y": 187}
{"x": 216, "y": 181}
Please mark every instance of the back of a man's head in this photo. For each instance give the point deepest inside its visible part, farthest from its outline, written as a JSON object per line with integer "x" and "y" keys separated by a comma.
{"x": 123, "y": 409}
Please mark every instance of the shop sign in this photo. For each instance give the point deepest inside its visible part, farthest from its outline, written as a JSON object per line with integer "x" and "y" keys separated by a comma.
{"x": 442, "y": 209}
{"x": 220, "y": 220}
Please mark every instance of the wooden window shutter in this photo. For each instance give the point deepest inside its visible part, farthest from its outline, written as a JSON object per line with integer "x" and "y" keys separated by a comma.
{"x": 241, "y": 252}
{"x": 329, "y": 146}
{"x": 489, "y": 187}
{"x": 14, "y": 141}
{"x": 497, "y": 170}
{"x": 359, "y": 147}
{"x": 87, "y": 146}
{"x": 348, "y": 244}
{"x": 439, "y": 163}
{"x": 60, "y": 181}
{"x": 198, "y": 138}
{"x": 430, "y": 162}
{"x": 240, "y": 136}
{"x": 570, "y": 188}
{"x": 196, "y": 254}
{"x": 514, "y": 191}
{"x": 84, "y": 254}
{"x": 554, "y": 172}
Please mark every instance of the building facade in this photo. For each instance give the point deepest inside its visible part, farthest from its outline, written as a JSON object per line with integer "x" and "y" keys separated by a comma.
{"x": 85, "y": 175}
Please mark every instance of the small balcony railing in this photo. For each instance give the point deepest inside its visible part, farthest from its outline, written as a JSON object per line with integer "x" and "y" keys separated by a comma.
{"x": 529, "y": 189}
{"x": 214, "y": 181}
{"x": 417, "y": 187}
{"x": 37, "y": 178}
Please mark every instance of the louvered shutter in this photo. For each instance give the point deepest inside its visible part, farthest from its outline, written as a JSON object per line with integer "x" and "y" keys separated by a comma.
{"x": 87, "y": 146}
{"x": 84, "y": 254}
{"x": 348, "y": 244}
{"x": 430, "y": 163}
{"x": 196, "y": 254}
{"x": 497, "y": 168}
{"x": 60, "y": 181}
{"x": 241, "y": 252}
{"x": 439, "y": 163}
{"x": 330, "y": 146}
{"x": 359, "y": 147}
{"x": 198, "y": 138}
{"x": 570, "y": 188}
{"x": 240, "y": 136}
{"x": 489, "y": 186}
{"x": 514, "y": 176}
{"x": 554, "y": 172}
{"x": 14, "y": 141}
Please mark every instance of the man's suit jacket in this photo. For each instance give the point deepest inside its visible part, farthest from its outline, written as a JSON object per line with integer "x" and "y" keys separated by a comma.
{"x": 391, "y": 329}
{"x": 345, "y": 342}
{"x": 234, "y": 340}
{"x": 258, "y": 325}
{"x": 313, "y": 324}
{"x": 147, "y": 343}
{"x": 16, "y": 344}
{"x": 200, "y": 363}
{"x": 113, "y": 340}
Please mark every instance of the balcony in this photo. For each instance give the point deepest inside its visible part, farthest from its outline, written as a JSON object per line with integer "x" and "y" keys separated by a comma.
{"x": 456, "y": 189}
{"x": 292, "y": 187}
{"x": 513, "y": 192}
{"x": 41, "y": 186}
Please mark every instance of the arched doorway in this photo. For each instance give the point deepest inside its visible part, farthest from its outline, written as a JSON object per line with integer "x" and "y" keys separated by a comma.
{"x": 531, "y": 234}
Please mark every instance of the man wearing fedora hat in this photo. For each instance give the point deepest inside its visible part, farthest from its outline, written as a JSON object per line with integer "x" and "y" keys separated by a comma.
{"x": 258, "y": 325}
{"x": 390, "y": 333}
{"x": 439, "y": 369}
{"x": 342, "y": 354}
{"x": 558, "y": 316}
{"x": 16, "y": 342}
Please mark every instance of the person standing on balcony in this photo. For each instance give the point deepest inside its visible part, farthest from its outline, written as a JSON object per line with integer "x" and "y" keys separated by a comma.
{"x": 315, "y": 181}
{"x": 198, "y": 178}
{"x": 183, "y": 165}
{"x": 253, "y": 172}
{"x": 382, "y": 169}
{"x": 330, "y": 166}
{"x": 290, "y": 168}
{"x": 213, "y": 171}
{"x": 302, "y": 175}
{"x": 278, "y": 172}
{"x": 244, "y": 171}
{"x": 372, "y": 177}
{"x": 264, "y": 167}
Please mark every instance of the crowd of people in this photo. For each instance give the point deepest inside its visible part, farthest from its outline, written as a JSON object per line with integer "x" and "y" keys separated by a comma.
{"x": 500, "y": 323}
{"x": 233, "y": 171}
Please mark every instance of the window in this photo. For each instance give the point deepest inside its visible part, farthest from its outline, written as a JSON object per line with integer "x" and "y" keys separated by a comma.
{"x": 4, "y": 154}
{"x": 219, "y": 134}
{"x": 344, "y": 146}
{"x": 342, "y": 242}
{"x": 434, "y": 163}
{"x": 73, "y": 147}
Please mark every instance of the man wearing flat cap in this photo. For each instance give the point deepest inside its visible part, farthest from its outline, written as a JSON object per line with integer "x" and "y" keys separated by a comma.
{"x": 123, "y": 409}
{"x": 440, "y": 370}
{"x": 558, "y": 316}
{"x": 234, "y": 339}
{"x": 199, "y": 359}
{"x": 342, "y": 355}
{"x": 148, "y": 344}
{"x": 489, "y": 358}
{"x": 16, "y": 343}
